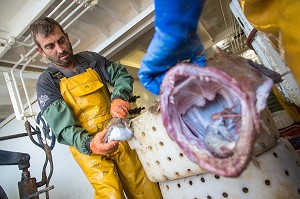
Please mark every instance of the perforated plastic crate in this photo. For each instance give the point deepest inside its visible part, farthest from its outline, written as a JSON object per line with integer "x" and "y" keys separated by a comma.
{"x": 274, "y": 175}
{"x": 163, "y": 159}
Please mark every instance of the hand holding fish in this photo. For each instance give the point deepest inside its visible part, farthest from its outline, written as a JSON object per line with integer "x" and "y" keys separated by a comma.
{"x": 101, "y": 148}
{"x": 118, "y": 129}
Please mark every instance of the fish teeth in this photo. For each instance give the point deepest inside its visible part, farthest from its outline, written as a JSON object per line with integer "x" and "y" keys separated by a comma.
{"x": 204, "y": 78}
{"x": 172, "y": 100}
{"x": 183, "y": 84}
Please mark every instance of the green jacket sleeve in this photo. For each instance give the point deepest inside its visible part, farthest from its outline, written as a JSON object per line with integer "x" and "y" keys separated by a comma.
{"x": 121, "y": 80}
{"x": 64, "y": 126}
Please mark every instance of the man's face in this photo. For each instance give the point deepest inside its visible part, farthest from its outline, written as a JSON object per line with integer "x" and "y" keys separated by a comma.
{"x": 57, "y": 48}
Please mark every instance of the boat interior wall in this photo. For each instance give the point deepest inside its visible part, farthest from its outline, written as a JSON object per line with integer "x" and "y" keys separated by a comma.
{"x": 121, "y": 30}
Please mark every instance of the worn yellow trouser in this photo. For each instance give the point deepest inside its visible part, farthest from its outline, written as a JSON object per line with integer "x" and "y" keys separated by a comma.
{"x": 279, "y": 19}
{"x": 109, "y": 175}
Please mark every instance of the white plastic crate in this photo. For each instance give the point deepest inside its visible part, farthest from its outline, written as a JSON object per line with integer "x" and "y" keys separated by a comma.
{"x": 274, "y": 175}
{"x": 163, "y": 159}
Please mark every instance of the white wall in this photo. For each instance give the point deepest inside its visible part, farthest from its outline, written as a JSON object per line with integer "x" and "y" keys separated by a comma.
{"x": 68, "y": 179}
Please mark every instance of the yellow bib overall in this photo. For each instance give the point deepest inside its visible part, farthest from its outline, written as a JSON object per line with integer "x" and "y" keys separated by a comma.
{"x": 279, "y": 19}
{"x": 89, "y": 101}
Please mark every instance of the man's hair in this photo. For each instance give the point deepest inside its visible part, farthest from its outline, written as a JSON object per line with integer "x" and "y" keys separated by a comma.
{"x": 44, "y": 27}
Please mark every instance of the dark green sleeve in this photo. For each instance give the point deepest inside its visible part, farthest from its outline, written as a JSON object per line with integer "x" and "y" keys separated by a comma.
{"x": 121, "y": 80}
{"x": 64, "y": 126}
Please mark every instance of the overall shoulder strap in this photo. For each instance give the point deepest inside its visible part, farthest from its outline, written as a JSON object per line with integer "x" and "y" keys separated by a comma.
{"x": 55, "y": 73}
{"x": 93, "y": 56}
{"x": 56, "y": 76}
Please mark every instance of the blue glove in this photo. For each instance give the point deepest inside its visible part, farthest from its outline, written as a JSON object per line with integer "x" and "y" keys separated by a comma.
{"x": 175, "y": 39}
{"x": 201, "y": 61}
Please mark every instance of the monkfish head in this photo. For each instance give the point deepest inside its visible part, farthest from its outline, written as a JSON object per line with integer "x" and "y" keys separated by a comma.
{"x": 213, "y": 112}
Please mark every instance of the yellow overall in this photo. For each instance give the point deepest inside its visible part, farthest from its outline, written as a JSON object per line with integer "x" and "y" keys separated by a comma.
{"x": 87, "y": 97}
{"x": 279, "y": 19}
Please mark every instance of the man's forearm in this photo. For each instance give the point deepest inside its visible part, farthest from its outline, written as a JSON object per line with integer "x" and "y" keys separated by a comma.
{"x": 64, "y": 126}
{"x": 121, "y": 80}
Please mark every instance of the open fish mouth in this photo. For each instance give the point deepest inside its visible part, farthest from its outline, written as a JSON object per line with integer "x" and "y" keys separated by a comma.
{"x": 212, "y": 112}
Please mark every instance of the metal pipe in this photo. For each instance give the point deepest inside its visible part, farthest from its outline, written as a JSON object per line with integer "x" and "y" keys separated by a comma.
{"x": 9, "y": 137}
{"x": 23, "y": 68}
{"x": 49, "y": 15}
{"x": 240, "y": 35}
{"x": 223, "y": 14}
{"x": 237, "y": 32}
{"x": 31, "y": 65}
{"x": 23, "y": 83}
{"x": 14, "y": 79}
{"x": 75, "y": 18}
{"x": 241, "y": 40}
{"x": 70, "y": 14}
{"x": 56, "y": 8}
{"x": 11, "y": 92}
{"x": 234, "y": 46}
{"x": 233, "y": 33}
{"x": 228, "y": 32}
{"x": 77, "y": 42}
{"x": 137, "y": 8}
{"x": 24, "y": 44}
{"x": 69, "y": 6}
{"x": 237, "y": 27}
{"x": 17, "y": 90}
{"x": 234, "y": 41}
{"x": 39, "y": 192}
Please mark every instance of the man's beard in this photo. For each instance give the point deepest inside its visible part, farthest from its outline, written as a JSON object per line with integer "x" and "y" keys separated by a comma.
{"x": 65, "y": 62}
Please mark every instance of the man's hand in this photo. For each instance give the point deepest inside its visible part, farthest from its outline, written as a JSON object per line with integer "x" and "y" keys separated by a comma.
{"x": 100, "y": 148}
{"x": 119, "y": 108}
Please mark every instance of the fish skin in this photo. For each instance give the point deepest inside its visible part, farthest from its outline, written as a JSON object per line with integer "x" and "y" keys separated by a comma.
{"x": 118, "y": 129}
{"x": 276, "y": 77}
{"x": 234, "y": 74}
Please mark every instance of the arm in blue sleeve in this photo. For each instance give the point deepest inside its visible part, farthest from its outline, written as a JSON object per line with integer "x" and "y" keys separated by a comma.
{"x": 175, "y": 39}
